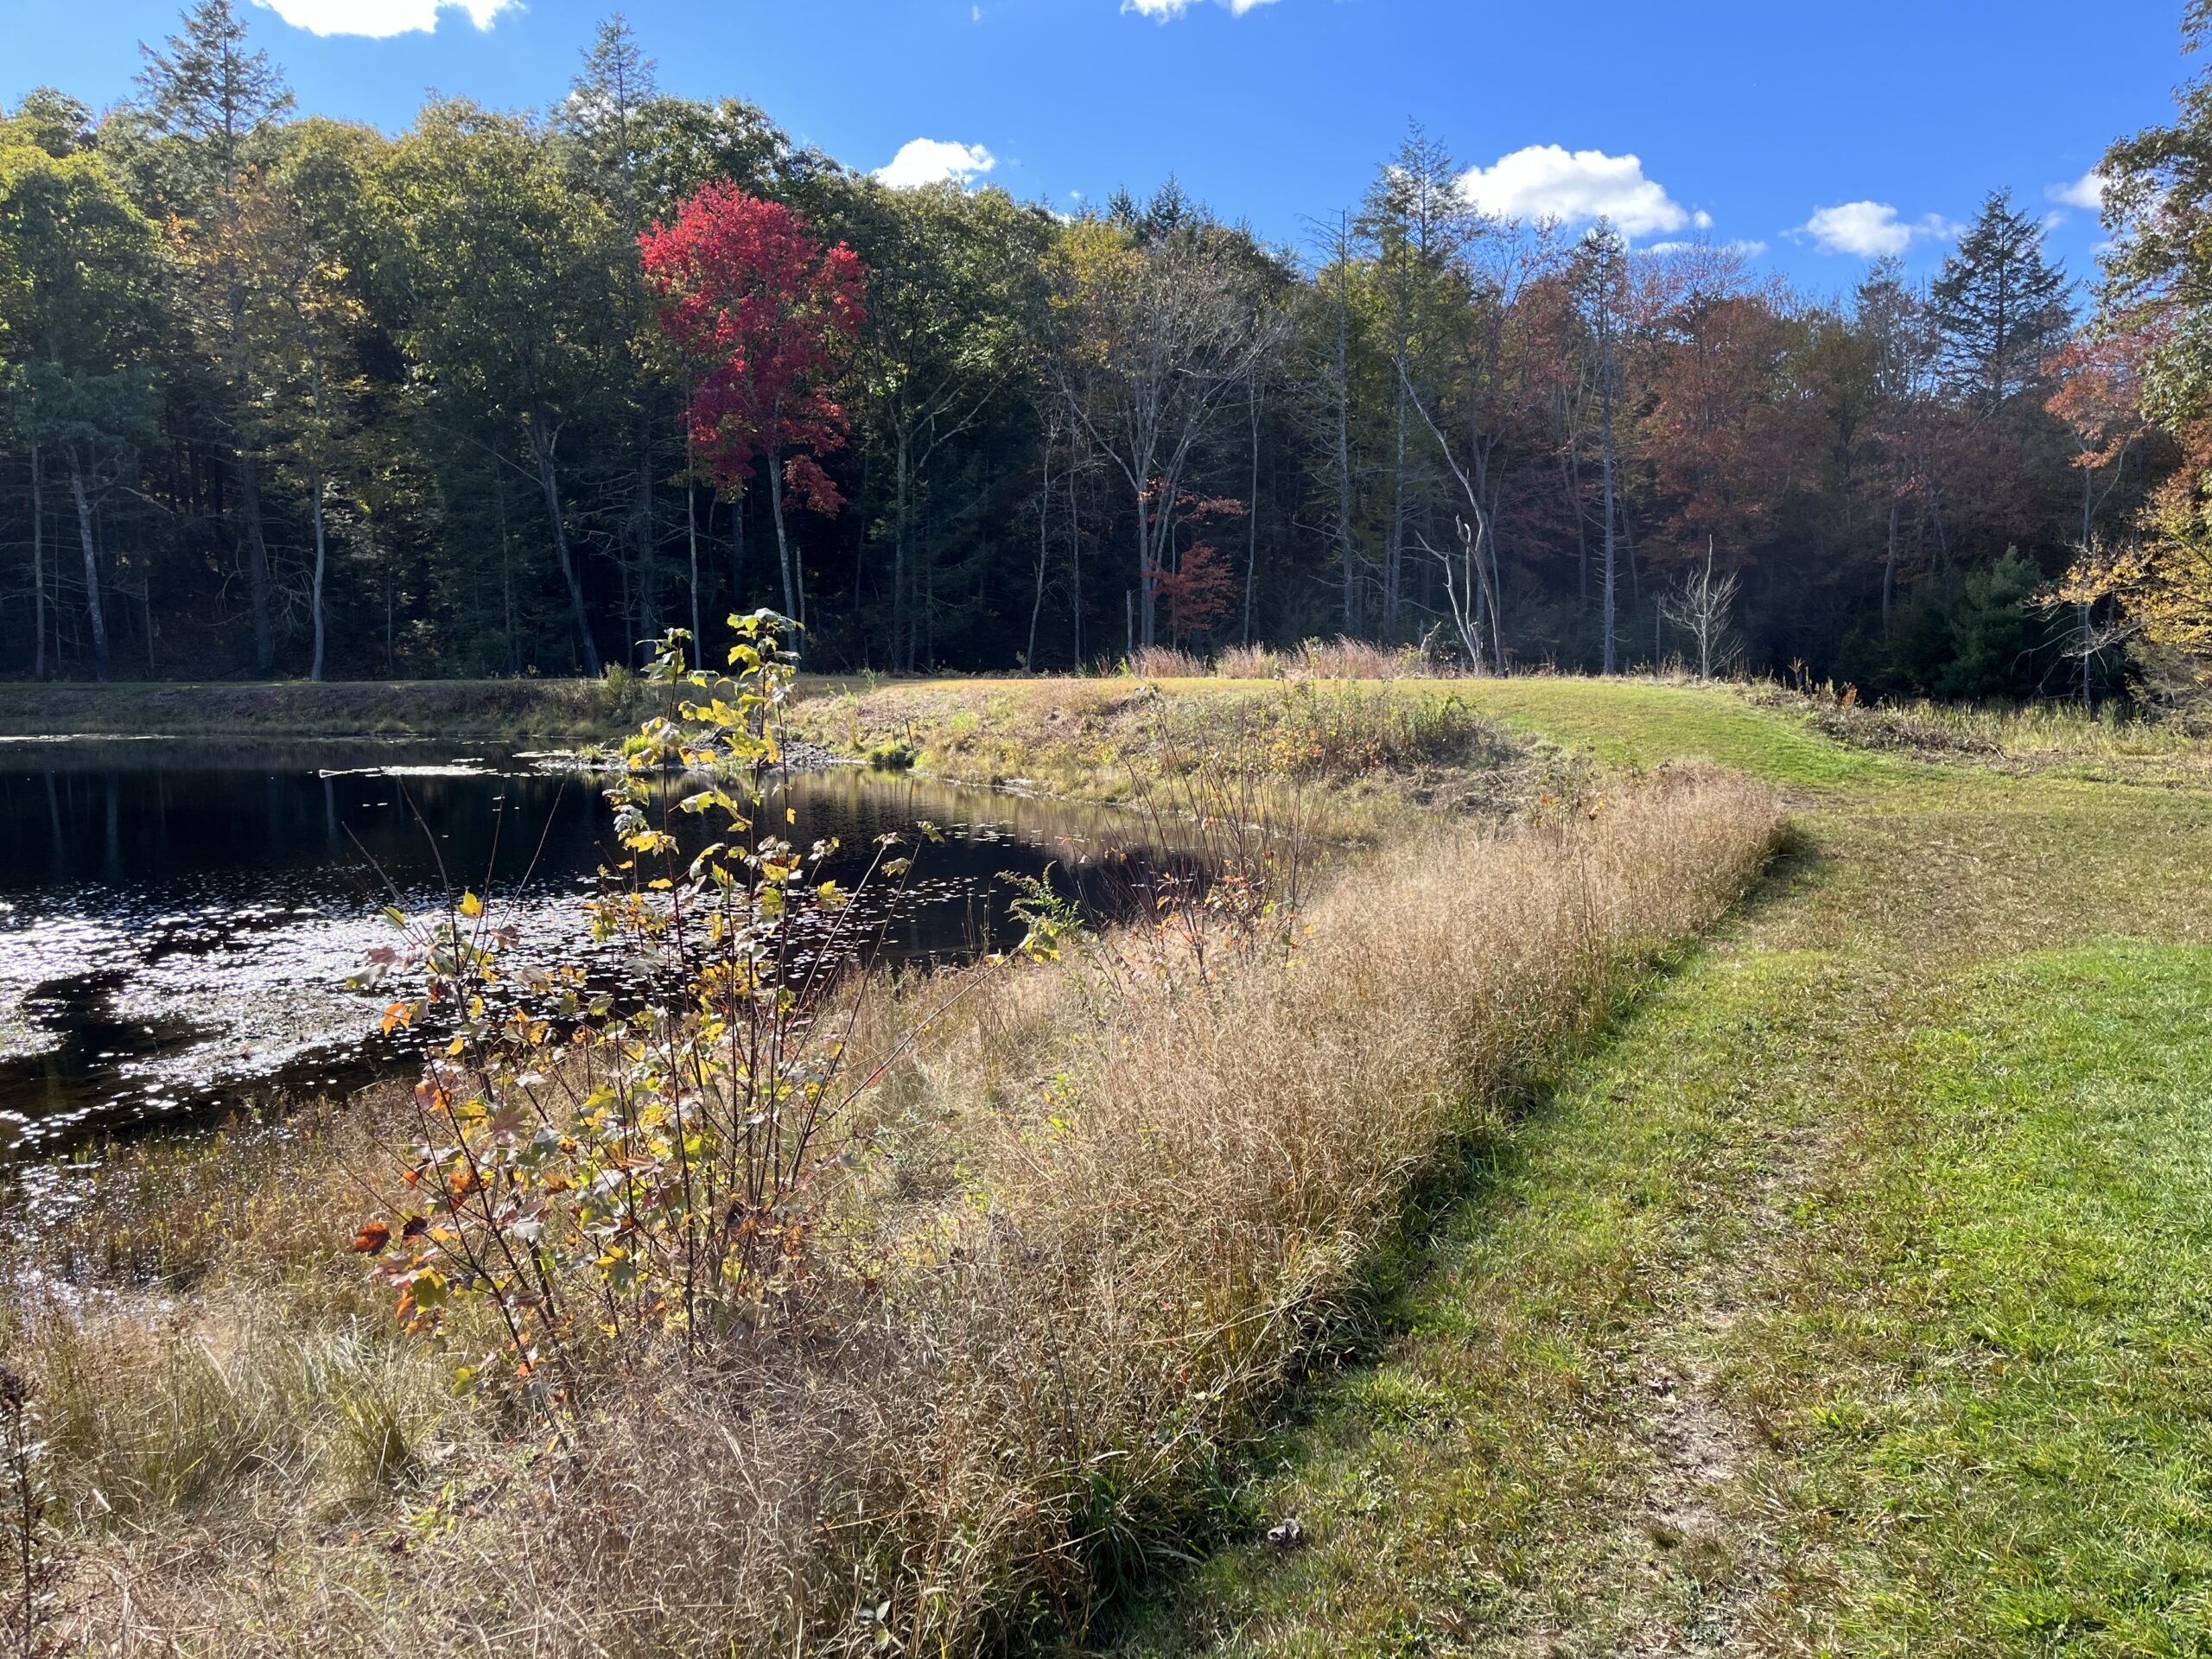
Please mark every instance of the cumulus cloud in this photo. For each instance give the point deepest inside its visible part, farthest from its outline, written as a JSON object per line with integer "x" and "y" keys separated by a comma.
{"x": 935, "y": 161}
{"x": 381, "y": 19}
{"x": 2087, "y": 193}
{"x": 1546, "y": 181}
{"x": 1871, "y": 229}
{"x": 1166, "y": 10}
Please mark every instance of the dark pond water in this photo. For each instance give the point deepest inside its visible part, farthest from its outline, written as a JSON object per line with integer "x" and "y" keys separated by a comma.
{"x": 177, "y": 919}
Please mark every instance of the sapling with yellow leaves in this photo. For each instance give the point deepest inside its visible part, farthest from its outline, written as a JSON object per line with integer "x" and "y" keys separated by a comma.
{"x": 630, "y": 1177}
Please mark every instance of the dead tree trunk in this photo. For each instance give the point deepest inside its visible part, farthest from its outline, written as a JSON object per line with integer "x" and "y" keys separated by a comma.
{"x": 94, "y": 616}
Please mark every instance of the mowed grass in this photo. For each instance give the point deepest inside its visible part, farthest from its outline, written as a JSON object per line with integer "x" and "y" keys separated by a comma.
{"x": 1642, "y": 723}
{"x": 2001, "y": 1285}
{"x": 1850, "y": 1298}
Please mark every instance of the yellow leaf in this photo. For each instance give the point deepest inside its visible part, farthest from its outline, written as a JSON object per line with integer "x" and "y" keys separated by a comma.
{"x": 471, "y": 905}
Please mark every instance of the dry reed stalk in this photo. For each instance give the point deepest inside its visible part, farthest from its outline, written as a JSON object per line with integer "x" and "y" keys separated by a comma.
{"x": 1166, "y": 663}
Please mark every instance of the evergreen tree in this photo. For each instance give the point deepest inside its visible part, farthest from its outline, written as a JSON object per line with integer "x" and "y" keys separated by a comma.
{"x": 214, "y": 102}
{"x": 212, "y": 106}
{"x": 2000, "y": 306}
{"x": 1419, "y": 226}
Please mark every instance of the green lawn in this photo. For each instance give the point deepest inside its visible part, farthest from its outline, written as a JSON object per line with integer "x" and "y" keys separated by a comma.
{"x": 1851, "y": 1296}
{"x": 1639, "y": 724}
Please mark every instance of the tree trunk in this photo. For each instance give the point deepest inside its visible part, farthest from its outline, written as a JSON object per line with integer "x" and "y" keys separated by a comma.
{"x": 641, "y": 536}
{"x": 541, "y": 442}
{"x": 737, "y": 551}
{"x": 1496, "y": 589}
{"x": 257, "y": 564}
{"x": 1252, "y": 520}
{"x": 1890, "y": 568}
{"x": 1351, "y": 618}
{"x": 1044, "y": 511}
{"x": 1570, "y": 465}
{"x": 321, "y": 562}
{"x": 38, "y": 569}
{"x": 1075, "y": 563}
{"x": 793, "y": 600}
{"x": 691, "y": 531}
{"x": 93, "y": 613}
{"x": 902, "y": 657}
{"x": 1704, "y": 618}
{"x": 2088, "y": 524}
{"x": 1394, "y": 568}
{"x": 1147, "y": 564}
{"x": 1605, "y": 375}
{"x": 506, "y": 570}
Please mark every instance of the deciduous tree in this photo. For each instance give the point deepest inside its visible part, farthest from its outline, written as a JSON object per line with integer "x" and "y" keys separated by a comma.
{"x": 751, "y": 295}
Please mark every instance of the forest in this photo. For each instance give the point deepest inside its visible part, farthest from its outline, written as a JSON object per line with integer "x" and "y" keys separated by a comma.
{"x": 515, "y": 393}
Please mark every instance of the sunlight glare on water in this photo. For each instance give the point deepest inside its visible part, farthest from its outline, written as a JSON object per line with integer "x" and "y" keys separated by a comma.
{"x": 178, "y": 919}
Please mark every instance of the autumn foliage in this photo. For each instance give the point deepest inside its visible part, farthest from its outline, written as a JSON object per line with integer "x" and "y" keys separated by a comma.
{"x": 749, "y": 293}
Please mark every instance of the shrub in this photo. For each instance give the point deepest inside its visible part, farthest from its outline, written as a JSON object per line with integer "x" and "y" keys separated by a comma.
{"x": 894, "y": 756}
{"x": 609, "y": 1181}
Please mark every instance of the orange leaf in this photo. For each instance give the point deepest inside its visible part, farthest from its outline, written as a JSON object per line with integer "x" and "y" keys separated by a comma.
{"x": 372, "y": 1237}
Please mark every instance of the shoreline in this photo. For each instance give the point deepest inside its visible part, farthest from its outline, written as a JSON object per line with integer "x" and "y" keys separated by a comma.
{"x": 428, "y": 710}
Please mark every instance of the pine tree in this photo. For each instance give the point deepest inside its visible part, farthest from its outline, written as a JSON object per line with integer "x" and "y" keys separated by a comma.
{"x": 211, "y": 103}
{"x": 602, "y": 112}
{"x": 2000, "y": 305}
{"x": 1419, "y": 224}
{"x": 214, "y": 100}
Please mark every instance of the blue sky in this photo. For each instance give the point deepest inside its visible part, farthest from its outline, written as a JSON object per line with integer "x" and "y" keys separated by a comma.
{"x": 1818, "y": 134}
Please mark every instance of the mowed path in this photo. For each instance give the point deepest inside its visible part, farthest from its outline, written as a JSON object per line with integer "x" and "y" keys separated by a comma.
{"x": 1853, "y": 1295}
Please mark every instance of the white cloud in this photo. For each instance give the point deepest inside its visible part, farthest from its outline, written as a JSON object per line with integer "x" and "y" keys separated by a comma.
{"x": 1545, "y": 181}
{"x": 934, "y": 161}
{"x": 381, "y": 19}
{"x": 2087, "y": 193}
{"x": 1166, "y": 10}
{"x": 1871, "y": 229}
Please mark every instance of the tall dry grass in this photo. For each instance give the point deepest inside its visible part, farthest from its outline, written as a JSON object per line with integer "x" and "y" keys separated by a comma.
{"x": 1341, "y": 658}
{"x": 1166, "y": 663}
{"x": 1093, "y": 1223}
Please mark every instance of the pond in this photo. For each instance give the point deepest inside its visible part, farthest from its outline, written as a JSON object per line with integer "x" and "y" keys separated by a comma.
{"x": 178, "y": 918}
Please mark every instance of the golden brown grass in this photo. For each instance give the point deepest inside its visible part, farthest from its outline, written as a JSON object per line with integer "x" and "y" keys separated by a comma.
{"x": 1315, "y": 659}
{"x": 1092, "y": 1224}
{"x": 1361, "y": 755}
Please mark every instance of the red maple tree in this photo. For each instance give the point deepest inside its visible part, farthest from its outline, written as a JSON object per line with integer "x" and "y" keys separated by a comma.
{"x": 749, "y": 293}
{"x": 1197, "y": 587}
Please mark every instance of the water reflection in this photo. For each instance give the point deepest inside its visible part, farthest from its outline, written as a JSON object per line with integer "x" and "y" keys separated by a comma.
{"x": 177, "y": 919}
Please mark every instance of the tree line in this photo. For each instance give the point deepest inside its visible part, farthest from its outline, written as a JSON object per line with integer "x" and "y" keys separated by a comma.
{"x": 514, "y": 393}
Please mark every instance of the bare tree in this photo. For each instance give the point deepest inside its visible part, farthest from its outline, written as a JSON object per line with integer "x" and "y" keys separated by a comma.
{"x": 1471, "y": 588}
{"x": 1464, "y": 584}
{"x": 1699, "y": 604}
